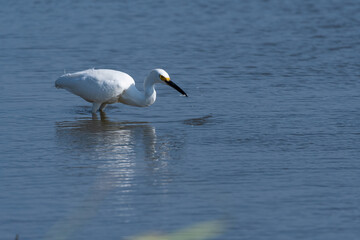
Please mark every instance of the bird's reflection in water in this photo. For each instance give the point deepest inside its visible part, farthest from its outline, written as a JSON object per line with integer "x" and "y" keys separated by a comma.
{"x": 116, "y": 147}
{"x": 120, "y": 152}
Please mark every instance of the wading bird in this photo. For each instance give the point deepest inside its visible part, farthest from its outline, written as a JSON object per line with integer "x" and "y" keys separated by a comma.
{"x": 104, "y": 86}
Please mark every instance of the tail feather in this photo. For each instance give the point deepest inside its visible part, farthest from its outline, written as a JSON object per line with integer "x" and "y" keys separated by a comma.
{"x": 58, "y": 83}
{"x": 61, "y": 81}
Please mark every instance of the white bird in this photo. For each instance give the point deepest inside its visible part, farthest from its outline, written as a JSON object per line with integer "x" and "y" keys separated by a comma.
{"x": 105, "y": 86}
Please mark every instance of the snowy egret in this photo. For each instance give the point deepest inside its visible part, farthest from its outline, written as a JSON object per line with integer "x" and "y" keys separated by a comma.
{"x": 105, "y": 86}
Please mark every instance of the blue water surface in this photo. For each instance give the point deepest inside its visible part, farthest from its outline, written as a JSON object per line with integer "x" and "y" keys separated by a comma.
{"x": 267, "y": 141}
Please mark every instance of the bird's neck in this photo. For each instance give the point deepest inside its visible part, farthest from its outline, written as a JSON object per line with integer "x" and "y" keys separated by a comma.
{"x": 149, "y": 91}
{"x": 132, "y": 96}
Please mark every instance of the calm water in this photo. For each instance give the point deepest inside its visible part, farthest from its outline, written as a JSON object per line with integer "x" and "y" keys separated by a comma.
{"x": 268, "y": 139}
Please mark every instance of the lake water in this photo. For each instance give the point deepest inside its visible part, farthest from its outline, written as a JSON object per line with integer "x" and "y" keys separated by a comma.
{"x": 268, "y": 140}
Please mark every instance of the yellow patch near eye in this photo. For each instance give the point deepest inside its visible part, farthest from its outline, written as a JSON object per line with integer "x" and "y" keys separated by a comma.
{"x": 164, "y": 78}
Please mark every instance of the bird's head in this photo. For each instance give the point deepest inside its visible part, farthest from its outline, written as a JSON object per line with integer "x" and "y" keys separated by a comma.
{"x": 161, "y": 76}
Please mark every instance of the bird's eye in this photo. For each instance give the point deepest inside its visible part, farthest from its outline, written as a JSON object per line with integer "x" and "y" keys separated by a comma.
{"x": 164, "y": 78}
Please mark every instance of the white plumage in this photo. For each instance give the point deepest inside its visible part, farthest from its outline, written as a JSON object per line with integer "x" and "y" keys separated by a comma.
{"x": 105, "y": 86}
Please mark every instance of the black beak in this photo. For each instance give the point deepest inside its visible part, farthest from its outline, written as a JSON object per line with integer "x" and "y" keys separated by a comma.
{"x": 173, "y": 85}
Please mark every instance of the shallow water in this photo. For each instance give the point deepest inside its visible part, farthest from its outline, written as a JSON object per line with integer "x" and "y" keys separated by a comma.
{"x": 268, "y": 139}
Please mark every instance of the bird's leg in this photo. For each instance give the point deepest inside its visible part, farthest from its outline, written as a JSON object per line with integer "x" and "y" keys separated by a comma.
{"x": 103, "y": 117}
{"x": 94, "y": 116}
{"x": 102, "y": 107}
{"x": 95, "y": 107}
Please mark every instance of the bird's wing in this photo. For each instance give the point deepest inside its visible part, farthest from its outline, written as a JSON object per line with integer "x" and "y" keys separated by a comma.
{"x": 100, "y": 85}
